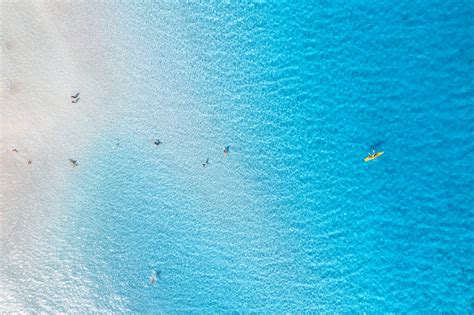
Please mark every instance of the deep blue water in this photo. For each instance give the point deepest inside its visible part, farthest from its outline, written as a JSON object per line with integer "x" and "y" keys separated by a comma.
{"x": 292, "y": 220}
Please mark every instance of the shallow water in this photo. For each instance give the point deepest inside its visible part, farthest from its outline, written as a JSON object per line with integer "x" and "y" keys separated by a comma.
{"x": 292, "y": 219}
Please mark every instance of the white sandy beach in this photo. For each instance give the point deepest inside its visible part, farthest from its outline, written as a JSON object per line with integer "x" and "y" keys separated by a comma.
{"x": 48, "y": 52}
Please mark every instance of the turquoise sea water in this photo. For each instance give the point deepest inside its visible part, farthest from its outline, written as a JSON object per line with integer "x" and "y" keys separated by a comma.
{"x": 292, "y": 219}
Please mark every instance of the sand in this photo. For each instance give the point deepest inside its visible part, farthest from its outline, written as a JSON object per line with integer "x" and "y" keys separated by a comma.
{"x": 38, "y": 120}
{"x": 43, "y": 63}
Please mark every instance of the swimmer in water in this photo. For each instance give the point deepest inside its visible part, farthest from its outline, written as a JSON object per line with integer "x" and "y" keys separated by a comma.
{"x": 157, "y": 142}
{"x": 205, "y": 163}
{"x": 226, "y": 150}
{"x": 154, "y": 276}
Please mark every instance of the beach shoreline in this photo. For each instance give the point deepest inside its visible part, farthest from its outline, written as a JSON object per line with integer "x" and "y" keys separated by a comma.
{"x": 41, "y": 128}
{"x": 291, "y": 219}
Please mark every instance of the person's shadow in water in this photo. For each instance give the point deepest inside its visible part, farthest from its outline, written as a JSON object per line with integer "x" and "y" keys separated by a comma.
{"x": 377, "y": 144}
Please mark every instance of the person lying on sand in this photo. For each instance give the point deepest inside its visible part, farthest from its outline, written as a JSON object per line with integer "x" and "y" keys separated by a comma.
{"x": 73, "y": 162}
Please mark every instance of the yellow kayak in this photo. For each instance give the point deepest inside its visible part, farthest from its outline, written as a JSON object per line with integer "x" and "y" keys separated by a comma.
{"x": 373, "y": 156}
